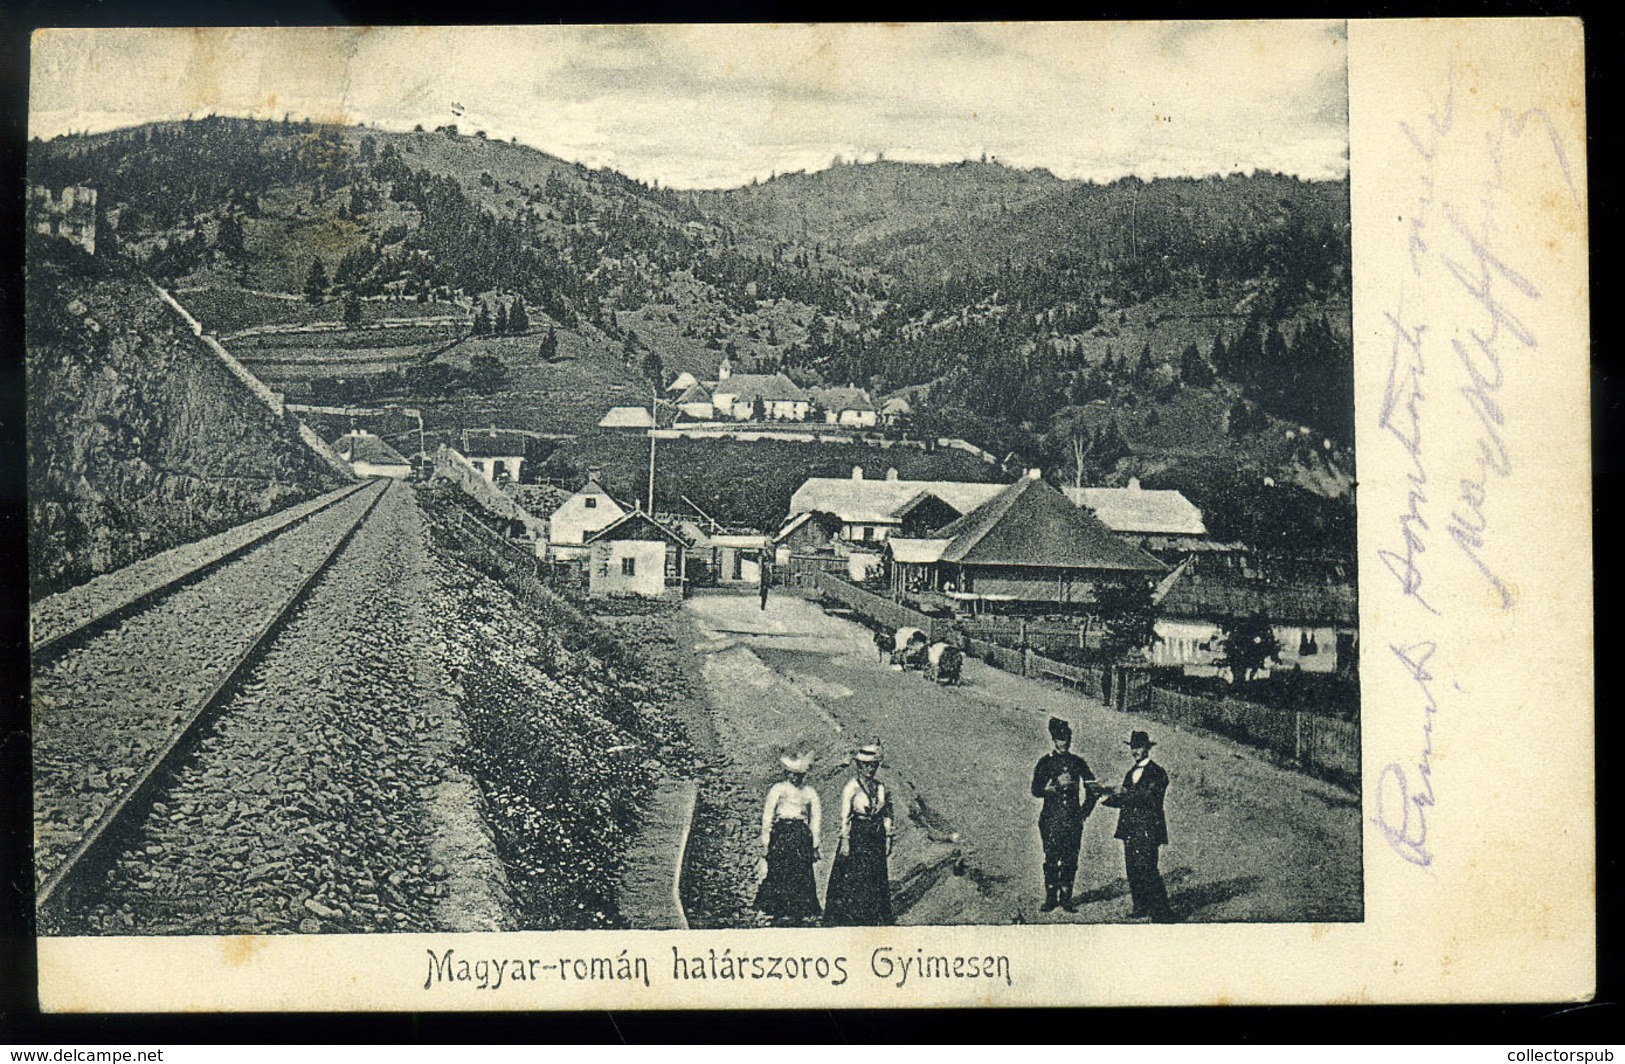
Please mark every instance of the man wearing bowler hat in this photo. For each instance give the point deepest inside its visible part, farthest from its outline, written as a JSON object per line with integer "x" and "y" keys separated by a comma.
{"x": 1057, "y": 780}
{"x": 1144, "y": 831}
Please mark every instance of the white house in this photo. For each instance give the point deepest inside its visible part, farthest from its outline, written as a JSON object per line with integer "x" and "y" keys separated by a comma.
{"x": 1315, "y": 624}
{"x": 1136, "y": 511}
{"x": 782, "y": 399}
{"x": 582, "y": 514}
{"x": 850, "y": 406}
{"x": 370, "y": 456}
{"x": 895, "y": 411}
{"x": 497, "y": 454}
{"x": 695, "y": 402}
{"x": 871, "y": 510}
{"x": 635, "y": 555}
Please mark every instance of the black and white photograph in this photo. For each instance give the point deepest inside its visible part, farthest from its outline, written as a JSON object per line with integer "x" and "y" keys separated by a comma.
{"x": 696, "y": 478}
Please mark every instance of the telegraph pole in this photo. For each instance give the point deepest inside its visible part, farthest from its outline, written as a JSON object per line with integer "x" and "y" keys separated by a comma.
{"x": 654, "y": 423}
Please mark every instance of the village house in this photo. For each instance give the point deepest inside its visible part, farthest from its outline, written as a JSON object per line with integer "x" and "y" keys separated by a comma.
{"x": 1026, "y": 550}
{"x": 1137, "y": 511}
{"x": 635, "y": 418}
{"x": 810, "y": 533}
{"x": 681, "y": 383}
{"x": 635, "y": 555}
{"x": 1163, "y": 523}
{"x": 871, "y": 510}
{"x": 1315, "y": 621}
{"x": 695, "y": 403}
{"x": 775, "y": 397}
{"x": 499, "y": 455}
{"x": 370, "y": 456}
{"x": 587, "y": 511}
{"x": 895, "y": 412}
{"x": 849, "y": 406}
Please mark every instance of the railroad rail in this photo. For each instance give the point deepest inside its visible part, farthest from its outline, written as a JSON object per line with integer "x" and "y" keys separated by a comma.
{"x": 69, "y": 618}
{"x": 78, "y": 833}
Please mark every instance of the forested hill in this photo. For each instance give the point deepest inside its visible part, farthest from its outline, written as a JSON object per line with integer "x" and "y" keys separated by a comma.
{"x": 1014, "y": 308}
{"x": 850, "y": 204}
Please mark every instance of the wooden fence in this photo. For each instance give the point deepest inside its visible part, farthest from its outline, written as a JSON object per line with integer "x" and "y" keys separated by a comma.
{"x": 534, "y": 579}
{"x": 1040, "y": 635}
{"x": 882, "y": 609}
{"x": 1086, "y": 678}
{"x": 804, "y": 569}
{"x": 1003, "y": 657}
{"x": 1323, "y": 746}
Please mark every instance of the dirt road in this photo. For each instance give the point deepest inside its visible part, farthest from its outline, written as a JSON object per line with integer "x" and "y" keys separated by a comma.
{"x": 1248, "y": 840}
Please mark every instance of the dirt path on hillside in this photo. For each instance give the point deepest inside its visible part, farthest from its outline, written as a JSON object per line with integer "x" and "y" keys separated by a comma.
{"x": 1249, "y": 841}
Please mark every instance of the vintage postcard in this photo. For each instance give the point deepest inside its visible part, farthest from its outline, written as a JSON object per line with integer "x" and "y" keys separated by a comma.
{"x": 836, "y": 516}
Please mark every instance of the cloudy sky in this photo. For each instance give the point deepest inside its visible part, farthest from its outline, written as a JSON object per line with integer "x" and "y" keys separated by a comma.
{"x": 715, "y": 106}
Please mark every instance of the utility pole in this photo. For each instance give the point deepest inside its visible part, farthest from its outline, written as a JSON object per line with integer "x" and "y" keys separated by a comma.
{"x": 654, "y": 423}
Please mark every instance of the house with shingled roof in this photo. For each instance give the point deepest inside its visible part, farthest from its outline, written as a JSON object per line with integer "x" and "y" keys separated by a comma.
{"x": 498, "y": 454}
{"x": 1163, "y": 523}
{"x": 782, "y": 399}
{"x": 1315, "y": 620}
{"x": 695, "y": 403}
{"x": 1026, "y": 550}
{"x": 1137, "y": 511}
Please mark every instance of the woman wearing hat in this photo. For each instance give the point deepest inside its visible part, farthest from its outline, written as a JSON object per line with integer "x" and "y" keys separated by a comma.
{"x": 790, "y": 824}
{"x": 1143, "y": 829}
{"x": 859, "y": 886}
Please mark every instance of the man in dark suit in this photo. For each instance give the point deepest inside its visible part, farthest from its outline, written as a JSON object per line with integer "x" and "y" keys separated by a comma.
{"x": 1143, "y": 829}
{"x": 1058, "y": 779}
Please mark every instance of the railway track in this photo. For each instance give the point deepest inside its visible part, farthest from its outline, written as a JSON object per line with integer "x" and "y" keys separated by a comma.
{"x": 64, "y": 620}
{"x": 264, "y": 746}
{"x": 123, "y": 696}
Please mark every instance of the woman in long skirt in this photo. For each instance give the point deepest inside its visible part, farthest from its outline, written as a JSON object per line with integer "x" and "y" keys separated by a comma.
{"x": 790, "y": 824}
{"x": 859, "y": 884}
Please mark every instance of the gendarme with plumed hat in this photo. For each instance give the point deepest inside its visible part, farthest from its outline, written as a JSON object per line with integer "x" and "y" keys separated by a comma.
{"x": 1059, "y": 779}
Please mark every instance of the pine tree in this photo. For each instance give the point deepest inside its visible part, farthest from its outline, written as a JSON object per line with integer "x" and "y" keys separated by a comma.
{"x": 352, "y": 309}
{"x": 1219, "y": 356}
{"x": 519, "y": 317}
{"x": 1144, "y": 367}
{"x": 1193, "y": 370}
{"x": 316, "y": 282}
{"x": 549, "y": 346}
{"x": 500, "y": 327}
{"x": 229, "y": 240}
{"x": 482, "y": 322}
{"x": 653, "y": 369}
